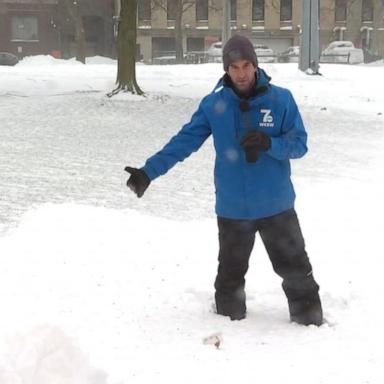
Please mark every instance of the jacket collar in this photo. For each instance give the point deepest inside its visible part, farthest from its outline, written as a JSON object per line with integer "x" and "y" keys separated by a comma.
{"x": 262, "y": 85}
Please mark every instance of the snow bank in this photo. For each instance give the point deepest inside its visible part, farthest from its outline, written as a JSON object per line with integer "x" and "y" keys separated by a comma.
{"x": 100, "y": 60}
{"x": 45, "y": 60}
{"x": 46, "y": 355}
{"x": 48, "y": 60}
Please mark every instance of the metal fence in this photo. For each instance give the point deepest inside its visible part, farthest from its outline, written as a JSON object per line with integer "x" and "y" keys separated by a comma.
{"x": 336, "y": 59}
{"x": 200, "y": 57}
{"x": 191, "y": 57}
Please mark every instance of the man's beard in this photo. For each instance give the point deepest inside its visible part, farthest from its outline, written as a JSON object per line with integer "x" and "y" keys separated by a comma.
{"x": 245, "y": 92}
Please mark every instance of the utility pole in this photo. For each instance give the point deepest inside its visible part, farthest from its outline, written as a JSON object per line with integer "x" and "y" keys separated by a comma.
{"x": 226, "y": 31}
{"x": 310, "y": 40}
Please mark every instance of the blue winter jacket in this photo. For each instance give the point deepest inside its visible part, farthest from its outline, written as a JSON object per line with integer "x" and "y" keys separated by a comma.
{"x": 243, "y": 190}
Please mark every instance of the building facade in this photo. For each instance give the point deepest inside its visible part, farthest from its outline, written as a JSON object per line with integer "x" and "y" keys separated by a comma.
{"x": 275, "y": 23}
{"x": 26, "y": 27}
{"x": 30, "y": 27}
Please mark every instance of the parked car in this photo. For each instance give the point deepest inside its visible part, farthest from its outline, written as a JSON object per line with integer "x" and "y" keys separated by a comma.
{"x": 8, "y": 59}
{"x": 342, "y": 52}
{"x": 215, "y": 52}
{"x": 290, "y": 55}
{"x": 264, "y": 53}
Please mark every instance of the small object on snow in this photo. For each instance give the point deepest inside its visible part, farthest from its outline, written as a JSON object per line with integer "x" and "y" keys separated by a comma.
{"x": 323, "y": 108}
{"x": 215, "y": 339}
{"x": 380, "y": 113}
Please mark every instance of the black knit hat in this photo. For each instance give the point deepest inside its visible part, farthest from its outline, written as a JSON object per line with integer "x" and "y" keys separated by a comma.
{"x": 238, "y": 47}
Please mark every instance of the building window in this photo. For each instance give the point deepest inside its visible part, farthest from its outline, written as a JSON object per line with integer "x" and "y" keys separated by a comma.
{"x": 171, "y": 9}
{"x": 233, "y": 10}
{"x": 341, "y": 10}
{"x": 202, "y": 10}
{"x": 258, "y": 10}
{"x": 367, "y": 11}
{"x": 25, "y": 28}
{"x": 144, "y": 10}
{"x": 195, "y": 44}
{"x": 286, "y": 10}
{"x": 163, "y": 46}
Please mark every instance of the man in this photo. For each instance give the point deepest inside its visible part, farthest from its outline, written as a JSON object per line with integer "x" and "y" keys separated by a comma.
{"x": 256, "y": 130}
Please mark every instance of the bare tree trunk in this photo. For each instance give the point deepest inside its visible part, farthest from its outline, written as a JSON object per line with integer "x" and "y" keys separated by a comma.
{"x": 80, "y": 36}
{"x": 126, "y": 49}
{"x": 179, "y": 32}
{"x": 74, "y": 10}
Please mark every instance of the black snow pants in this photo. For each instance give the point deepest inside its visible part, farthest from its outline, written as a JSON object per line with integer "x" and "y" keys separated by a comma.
{"x": 283, "y": 240}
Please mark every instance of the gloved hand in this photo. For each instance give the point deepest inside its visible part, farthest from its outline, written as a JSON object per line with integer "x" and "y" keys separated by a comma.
{"x": 138, "y": 181}
{"x": 253, "y": 143}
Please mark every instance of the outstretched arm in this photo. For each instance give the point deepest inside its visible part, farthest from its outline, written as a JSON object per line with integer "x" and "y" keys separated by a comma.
{"x": 189, "y": 139}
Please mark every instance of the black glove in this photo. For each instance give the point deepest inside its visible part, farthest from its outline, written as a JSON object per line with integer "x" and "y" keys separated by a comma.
{"x": 253, "y": 143}
{"x": 138, "y": 181}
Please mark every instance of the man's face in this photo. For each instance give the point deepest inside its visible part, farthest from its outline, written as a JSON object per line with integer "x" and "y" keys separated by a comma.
{"x": 242, "y": 74}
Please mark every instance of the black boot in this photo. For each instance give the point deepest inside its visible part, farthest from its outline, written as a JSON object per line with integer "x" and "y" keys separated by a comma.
{"x": 306, "y": 312}
{"x": 232, "y": 306}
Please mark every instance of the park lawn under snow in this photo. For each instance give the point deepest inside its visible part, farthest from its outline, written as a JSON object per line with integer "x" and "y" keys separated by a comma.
{"x": 99, "y": 287}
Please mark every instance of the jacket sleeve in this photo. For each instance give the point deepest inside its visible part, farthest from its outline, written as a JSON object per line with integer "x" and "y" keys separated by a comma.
{"x": 189, "y": 139}
{"x": 292, "y": 143}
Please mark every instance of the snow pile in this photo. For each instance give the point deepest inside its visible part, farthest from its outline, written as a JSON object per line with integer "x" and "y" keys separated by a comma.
{"x": 45, "y": 60}
{"x": 48, "y": 60}
{"x": 45, "y": 355}
{"x": 46, "y": 75}
{"x": 100, "y": 60}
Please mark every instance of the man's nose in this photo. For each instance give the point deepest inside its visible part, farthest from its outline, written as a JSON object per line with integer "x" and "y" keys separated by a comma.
{"x": 241, "y": 73}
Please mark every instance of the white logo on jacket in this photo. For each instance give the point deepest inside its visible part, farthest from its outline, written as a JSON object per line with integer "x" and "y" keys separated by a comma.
{"x": 267, "y": 118}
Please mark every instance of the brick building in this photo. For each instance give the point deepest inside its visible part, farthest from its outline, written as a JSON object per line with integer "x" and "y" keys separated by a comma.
{"x": 31, "y": 27}
{"x": 275, "y": 23}
{"x": 26, "y": 28}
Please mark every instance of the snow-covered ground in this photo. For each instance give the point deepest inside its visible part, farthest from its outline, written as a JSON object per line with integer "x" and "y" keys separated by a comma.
{"x": 99, "y": 287}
